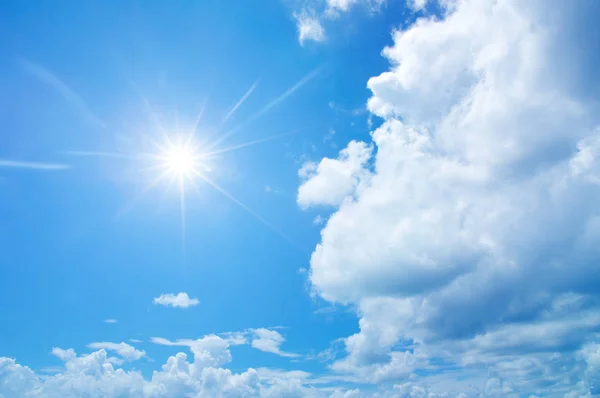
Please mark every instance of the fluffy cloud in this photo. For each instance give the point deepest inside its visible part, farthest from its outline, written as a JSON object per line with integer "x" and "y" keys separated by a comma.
{"x": 124, "y": 350}
{"x": 213, "y": 350}
{"x": 332, "y": 180}
{"x": 208, "y": 351}
{"x": 179, "y": 300}
{"x": 64, "y": 355}
{"x": 94, "y": 375}
{"x": 470, "y": 236}
{"x": 417, "y": 5}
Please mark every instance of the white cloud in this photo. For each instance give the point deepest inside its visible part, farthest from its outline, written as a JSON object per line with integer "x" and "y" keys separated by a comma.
{"x": 417, "y": 5}
{"x": 64, "y": 355}
{"x": 179, "y": 300}
{"x": 213, "y": 350}
{"x": 270, "y": 341}
{"x": 334, "y": 6}
{"x": 96, "y": 375}
{"x": 210, "y": 350}
{"x": 124, "y": 350}
{"x": 309, "y": 27}
{"x": 470, "y": 231}
{"x": 309, "y": 21}
{"x": 110, "y": 321}
{"x": 332, "y": 180}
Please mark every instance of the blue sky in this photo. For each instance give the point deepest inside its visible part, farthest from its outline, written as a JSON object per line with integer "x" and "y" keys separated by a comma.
{"x": 325, "y": 198}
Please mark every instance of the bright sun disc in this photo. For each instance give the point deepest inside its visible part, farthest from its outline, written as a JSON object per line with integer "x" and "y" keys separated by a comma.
{"x": 180, "y": 160}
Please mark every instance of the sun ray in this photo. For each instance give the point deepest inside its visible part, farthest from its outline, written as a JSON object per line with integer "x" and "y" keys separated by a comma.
{"x": 127, "y": 208}
{"x": 199, "y": 117}
{"x": 182, "y": 209}
{"x": 246, "y": 208}
{"x": 269, "y": 106}
{"x": 247, "y": 144}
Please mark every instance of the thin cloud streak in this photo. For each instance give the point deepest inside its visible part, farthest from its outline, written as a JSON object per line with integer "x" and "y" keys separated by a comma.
{"x": 32, "y": 165}
{"x": 49, "y": 78}
{"x": 240, "y": 102}
{"x": 289, "y": 92}
{"x": 96, "y": 154}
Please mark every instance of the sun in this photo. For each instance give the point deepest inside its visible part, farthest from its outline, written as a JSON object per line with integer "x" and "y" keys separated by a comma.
{"x": 180, "y": 159}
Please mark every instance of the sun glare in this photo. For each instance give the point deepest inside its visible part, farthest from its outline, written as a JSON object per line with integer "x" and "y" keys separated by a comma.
{"x": 180, "y": 160}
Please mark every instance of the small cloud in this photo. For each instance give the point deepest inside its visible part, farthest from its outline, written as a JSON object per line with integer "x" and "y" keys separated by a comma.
{"x": 417, "y": 5}
{"x": 110, "y": 321}
{"x": 124, "y": 350}
{"x": 302, "y": 270}
{"x": 309, "y": 27}
{"x": 64, "y": 355}
{"x": 328, "y": 310}
{"x": 179, "y": 300}
{"x": 270, "y": 341}
{"x": 235, "y": 338}
{"x": 268, "y": 189}
{"x": 318, "y": 220}
{"x": 136, "y": 341}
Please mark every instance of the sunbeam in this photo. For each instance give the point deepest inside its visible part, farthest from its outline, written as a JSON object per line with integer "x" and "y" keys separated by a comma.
{"x": 246, "y": 208}
{"x": 247, "y": 144}
{"x": 269, "y": 106}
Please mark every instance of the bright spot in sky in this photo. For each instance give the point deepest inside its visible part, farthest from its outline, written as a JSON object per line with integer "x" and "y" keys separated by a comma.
{"x": 180, "y": 160}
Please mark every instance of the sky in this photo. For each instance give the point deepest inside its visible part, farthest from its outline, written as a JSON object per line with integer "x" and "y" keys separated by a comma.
{"x": 300, "y": 198}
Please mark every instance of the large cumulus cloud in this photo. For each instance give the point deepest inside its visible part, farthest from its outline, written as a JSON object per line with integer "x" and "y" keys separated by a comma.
{"x": 474, "y": 227}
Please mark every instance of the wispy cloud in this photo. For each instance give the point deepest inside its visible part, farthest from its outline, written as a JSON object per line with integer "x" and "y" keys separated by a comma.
{"x": 289, "y": 92}
{"x": 18, "y": 164}
{"x": 99, "y": 154}
{"x": 179, "y": 300}
{"x": 270, "y": 341}
{"x": 50, "y": 79}
{"x": 240, "y": 102}
{"x": 110, "y": 321}
{"x": 309, "y": 27}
